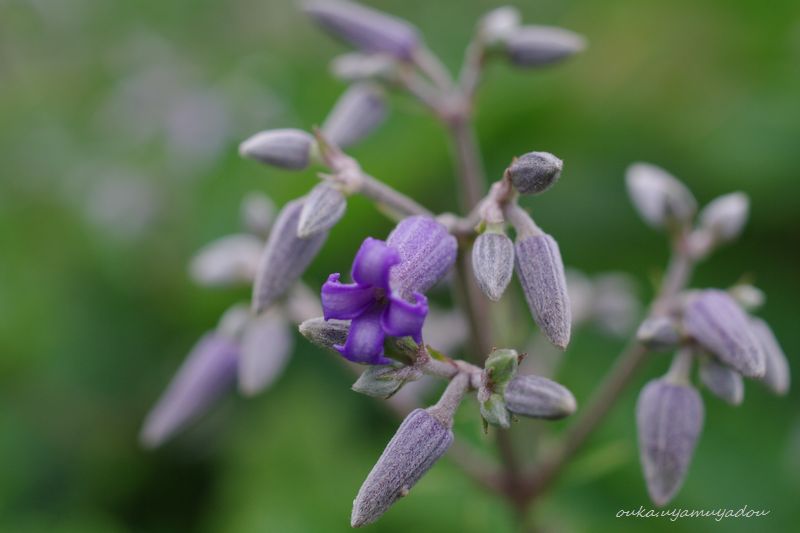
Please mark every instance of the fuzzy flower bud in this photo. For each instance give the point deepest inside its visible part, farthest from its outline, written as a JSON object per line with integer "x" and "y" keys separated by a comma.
{"x": 776, "y": 376}
{"x": 724, "y": 382}
{"x": 208, "y": 371}
{"x": 535, "y": 172}
{"x": 227, "y": 261}
{"x": 658, "y": 196}
{"x": 499, "y": 24}
{"x": 659, "y": 333}
{"x": 716, "y": 322}
{"x": 539, "y": 397}
{"x": 669, "y": 418}
{"x": 360, "y": 110}
{"x": 493, "y": 263}
{"x": 419, "y": 442}
{"x": 322, "y": 209}
{"x": 365, "y": 28}
{"x": 285, "y": 257}
{"x": 356, "y": 66}
{"x": 266, "y": 345}
{"x": 325, "y": 333}
{"x": 725, "y": 216}
{"x": 536, "y": 46}
{"x": 285, "y": 148}
{"x": 541, "y": 274}
{"x": 257, "y": 212}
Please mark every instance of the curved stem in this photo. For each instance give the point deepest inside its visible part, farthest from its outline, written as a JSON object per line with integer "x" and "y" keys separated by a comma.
{"x": 386, "y": 195}
{"x": 470, "y": 167}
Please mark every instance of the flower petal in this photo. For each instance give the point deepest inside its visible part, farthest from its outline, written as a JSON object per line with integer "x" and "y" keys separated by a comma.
{"x": 373, "y": 262}
{"x": 405, "y": 319}
{"x": 345, "y": 301}
{"x": 364, "y": 342}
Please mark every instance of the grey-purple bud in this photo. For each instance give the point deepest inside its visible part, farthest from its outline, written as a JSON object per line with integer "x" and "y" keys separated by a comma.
{"x": 493, "y": 263}
{"x": 265, "y": 349}
{"x": 726, "y": 215}
{"x": 227, "y": 261}
{"x": 669, "y": 418}
{"x": 539, "y": 397}
{"x": 419, "y": 442}
{"x": 535, "y": 172}
{"x": 285, "y": 257}
{"x": 325, "y": 333}
{"x": 285, "y": 148}
{"x": 777, "y": 375}
{"x": 541, "y": 274}
{"x": 536, "y": 46}
{"x": 717, "y": 323}
{"x": 660, "y": 198}
{"x": 724, "y": 382}
{"x": 360, "y": 110}
{"x": 659, "y": 333}
{"x": 323, "y": 208}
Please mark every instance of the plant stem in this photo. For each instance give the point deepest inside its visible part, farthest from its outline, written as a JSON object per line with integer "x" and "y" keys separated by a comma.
{"x": 470, "y": 168}
{"x": 609, "y": 391}
{"x": 386, "y": 195}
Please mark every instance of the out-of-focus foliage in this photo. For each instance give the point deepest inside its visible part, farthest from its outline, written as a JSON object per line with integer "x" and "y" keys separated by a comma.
{"x": 118, "y": 130}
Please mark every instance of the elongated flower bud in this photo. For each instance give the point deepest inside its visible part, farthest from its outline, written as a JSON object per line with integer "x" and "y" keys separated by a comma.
{"x": 384, "y": 381}
{"x": 266, "y": 346}
{"x": 325, "y": 333}
{"x": 323, "y": 208}
{"x": 535, "y": 172}
{"x": 493, "y": 263}
{"x": 537, "y": 46}
{"x": 658, "y": 196}
{"x": 669, "y": 418}
{"x": 227, "y": 261}
{"x": 360, "y": 110}
{"x": 419, "y": 442}
{"x": 356, "y": 66}
{"x": 541, "y": 274}
{"x": 365, "y": 28}
{"x": 539, "y": 397}
{"x": 725, "y": 216}
{"x": 716, "y": 322}
{"x": 427, "y": 252}
{"x": 724, "y": 382}
{"x": 285, "y": 257}
{"x": 284, "y": 148}
{"x": 659, "y": 333}
{"x": 209, "y": 370}
{"x": 776, "y": 376}
{"x": 257, "y": 212}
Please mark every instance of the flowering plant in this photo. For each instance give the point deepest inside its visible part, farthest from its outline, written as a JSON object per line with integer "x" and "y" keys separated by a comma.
{"x": 384, "y": 323}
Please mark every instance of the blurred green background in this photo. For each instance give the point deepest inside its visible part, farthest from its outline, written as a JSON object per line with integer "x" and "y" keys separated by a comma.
{"x": 119, "y": 123}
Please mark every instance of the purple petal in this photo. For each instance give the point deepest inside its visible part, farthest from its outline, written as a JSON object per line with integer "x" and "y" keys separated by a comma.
{"x": 427, "y": 252}
{"x": 345, "y": 301}
{"x": 405, "y": 319}
{"x": 208, "y": 371}
{"x": 373, "y": 262}
{"x": 364, "y": 342}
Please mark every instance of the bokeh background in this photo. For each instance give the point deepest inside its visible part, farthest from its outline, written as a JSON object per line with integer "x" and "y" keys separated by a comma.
{"x": 119, "y": 123}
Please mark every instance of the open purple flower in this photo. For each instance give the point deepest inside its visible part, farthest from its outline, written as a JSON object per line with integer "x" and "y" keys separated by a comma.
{"x": 389, "y": 278}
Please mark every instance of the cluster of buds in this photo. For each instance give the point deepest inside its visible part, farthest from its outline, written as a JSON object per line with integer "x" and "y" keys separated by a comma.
{"x": 710, "y": 327}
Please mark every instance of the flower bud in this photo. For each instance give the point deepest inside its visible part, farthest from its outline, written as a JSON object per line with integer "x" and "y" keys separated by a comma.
{"x": 265, "y": 349}
{"x": 322, "y": 209}
{"x": 535, "y": 172}
{"x": 285, "y": 257}
{"x": 777, "y": 375}
{"x": 208, "y": 371}
{"x": 615, "y": 306}
{"x": 536, "y": 46}
{"x": 419, "y": 442}
{"x": 748, "y": 296}
{"x": 659, "y": 333}
{"x": 726, "y": 215}
{"x": 716, "y": 322}
{"x": 538, "y": 397}
{"x": 365, "y": 28}
{"x": 427, "y": 252}
{"x": 669, "y": 418}
{"x": 257, "y": 212}
{"x": 493, "y": 263}
{"x": 493, "y": 410}
{"x": 325, "y": 333}
{"x": 658, "y": 196}
{"x": 231, "y": 260}
{"x": 499, "y": 24}
{"x": 285, "y": 148}
{"x": 724, "y": 382}
{"x": 541, "y": 274}
{"x": 501, "y": 365}
{"x": 360, "y": 110}
{"x": 384, "y": 381}
{"x": 356, "y": 66}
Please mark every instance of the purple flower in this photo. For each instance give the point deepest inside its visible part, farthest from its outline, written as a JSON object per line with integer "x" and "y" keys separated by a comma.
{"x": 389, "y": 278}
